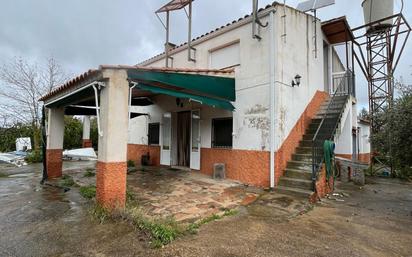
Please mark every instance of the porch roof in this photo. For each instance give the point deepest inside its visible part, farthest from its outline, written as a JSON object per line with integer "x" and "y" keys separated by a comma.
{"x": 337, "y": 30}
{"x": 207, "y": 86}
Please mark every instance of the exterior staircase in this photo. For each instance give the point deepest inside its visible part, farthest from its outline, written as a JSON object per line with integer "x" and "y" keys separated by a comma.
{"x": 297, "y": 179}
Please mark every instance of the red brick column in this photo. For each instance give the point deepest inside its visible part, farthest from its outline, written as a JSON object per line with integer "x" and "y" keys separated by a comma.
{"x": 87, "y": 143}
{"x": 54, "y": 163}
{"x": 111, "y": 184}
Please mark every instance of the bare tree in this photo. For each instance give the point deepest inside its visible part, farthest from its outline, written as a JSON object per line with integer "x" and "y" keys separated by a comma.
{"x": 21, "y": 85}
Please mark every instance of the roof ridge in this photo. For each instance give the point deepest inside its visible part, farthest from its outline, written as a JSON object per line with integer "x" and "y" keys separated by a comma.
{"x": 214, "y": 31}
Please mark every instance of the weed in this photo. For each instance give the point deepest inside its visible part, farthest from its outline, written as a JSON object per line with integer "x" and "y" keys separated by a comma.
{"x": 89, "y": 173}
{"x": 131, "y": 164}
{"x": 88, "y": 192}
{"x": 231, "y": 212}
{"x": 100, "y": 213}
{"x": 67, "y": 181}
{"x": 193, "y": 227}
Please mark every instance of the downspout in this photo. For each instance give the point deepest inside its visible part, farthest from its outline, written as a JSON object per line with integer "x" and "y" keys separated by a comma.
{"x": 272, "y": 60}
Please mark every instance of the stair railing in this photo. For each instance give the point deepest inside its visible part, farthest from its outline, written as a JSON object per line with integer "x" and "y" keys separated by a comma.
{"x": 330, "y": 121}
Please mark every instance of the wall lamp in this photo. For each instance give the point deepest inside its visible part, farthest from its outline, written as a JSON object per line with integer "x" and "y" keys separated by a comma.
{"x": 296, "y": 81}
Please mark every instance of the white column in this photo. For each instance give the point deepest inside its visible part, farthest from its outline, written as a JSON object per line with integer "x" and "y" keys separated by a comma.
{"x": 86, "y": 127}
{"x": 111, "y": 167}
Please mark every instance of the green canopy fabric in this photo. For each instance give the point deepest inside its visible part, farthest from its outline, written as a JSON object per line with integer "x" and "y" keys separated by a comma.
{"x": 329, "y": 154}
{"x": 210, "y": 86}
{"x": 201, "y": 99}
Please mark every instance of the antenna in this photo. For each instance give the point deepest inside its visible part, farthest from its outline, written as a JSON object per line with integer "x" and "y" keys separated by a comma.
{"x": 313, "y": 6}
{"x": 175, "y": 5}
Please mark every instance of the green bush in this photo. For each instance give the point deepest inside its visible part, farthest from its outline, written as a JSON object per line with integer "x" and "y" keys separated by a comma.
{"x": 34, "y": 157}
{"x": 131, "y": 164}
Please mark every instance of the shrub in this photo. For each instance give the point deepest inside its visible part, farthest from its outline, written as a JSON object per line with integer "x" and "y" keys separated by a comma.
{"x": 131, "y": 164}
{"x": 34, "y": 157}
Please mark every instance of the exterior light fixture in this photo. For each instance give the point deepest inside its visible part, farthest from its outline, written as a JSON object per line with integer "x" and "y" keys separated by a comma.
{"x": 296, "y": 81}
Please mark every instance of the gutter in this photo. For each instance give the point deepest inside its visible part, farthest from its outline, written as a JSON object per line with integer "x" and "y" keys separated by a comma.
{"x": 272, "y": 72}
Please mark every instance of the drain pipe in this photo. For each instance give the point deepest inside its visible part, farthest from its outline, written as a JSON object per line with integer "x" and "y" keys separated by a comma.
{"x": 272, "y": 60}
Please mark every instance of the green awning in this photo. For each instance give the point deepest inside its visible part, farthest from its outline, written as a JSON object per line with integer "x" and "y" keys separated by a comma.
{"x": 201, "y": 99}
{"x": 210, "y": 86}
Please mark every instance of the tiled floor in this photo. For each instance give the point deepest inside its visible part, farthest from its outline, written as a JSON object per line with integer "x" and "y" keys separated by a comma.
{"x": 186, "y": 195}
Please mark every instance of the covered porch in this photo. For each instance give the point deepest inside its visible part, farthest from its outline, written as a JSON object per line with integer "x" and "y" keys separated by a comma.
{"x": 117, "y": 94}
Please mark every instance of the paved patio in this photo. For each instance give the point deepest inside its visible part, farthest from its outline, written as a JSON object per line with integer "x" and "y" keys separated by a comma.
{"x": 185, "y": 195}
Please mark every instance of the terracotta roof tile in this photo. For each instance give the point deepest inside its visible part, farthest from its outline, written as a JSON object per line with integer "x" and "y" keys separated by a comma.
{"x": 71, "y": 83}
{"x": 68, "y": 84}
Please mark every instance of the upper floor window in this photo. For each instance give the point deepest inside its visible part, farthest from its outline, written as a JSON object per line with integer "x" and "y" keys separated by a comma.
{"x": 225, "y": 56}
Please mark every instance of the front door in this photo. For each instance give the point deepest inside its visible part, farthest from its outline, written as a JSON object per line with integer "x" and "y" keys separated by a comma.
{"x": 195, "y": 142}
{"x": 166, "y": 139}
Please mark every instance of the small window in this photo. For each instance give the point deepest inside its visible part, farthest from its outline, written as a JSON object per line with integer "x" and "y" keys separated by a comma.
{"x": 222, "y": 132}
{"x": 154, "y": 133}
{"x": 225, "y": 56}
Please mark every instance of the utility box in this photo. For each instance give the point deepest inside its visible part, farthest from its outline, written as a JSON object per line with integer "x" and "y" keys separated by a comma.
{"x": 219, "y": 171}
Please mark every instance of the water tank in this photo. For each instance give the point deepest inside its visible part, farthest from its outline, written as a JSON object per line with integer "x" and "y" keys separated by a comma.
{"x": 374, "y": 10}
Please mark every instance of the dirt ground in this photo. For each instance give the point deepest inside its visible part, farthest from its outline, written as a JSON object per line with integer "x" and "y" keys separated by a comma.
{"x": 374, "y": 220}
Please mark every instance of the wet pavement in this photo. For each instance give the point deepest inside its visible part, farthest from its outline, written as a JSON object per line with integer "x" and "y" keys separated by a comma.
{"x": 373, "y": 220}
{"x": 38, "y": 220}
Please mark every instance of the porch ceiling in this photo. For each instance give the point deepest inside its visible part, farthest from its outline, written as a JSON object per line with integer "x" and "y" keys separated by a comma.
{"x": 337, "y": 30}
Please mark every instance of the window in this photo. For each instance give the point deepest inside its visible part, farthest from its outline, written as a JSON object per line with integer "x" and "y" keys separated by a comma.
{"x": 222, "y": 132}
{"x": 154, "y": 133}
{"x": 225, "y": 56}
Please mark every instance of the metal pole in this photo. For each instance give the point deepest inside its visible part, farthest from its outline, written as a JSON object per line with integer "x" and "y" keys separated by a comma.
{"x": 189, "y": 38}
{"x": 167, "y": 40}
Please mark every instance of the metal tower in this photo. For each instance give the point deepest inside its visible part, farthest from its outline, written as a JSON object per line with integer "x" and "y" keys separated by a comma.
{"x": 380, "y": 40}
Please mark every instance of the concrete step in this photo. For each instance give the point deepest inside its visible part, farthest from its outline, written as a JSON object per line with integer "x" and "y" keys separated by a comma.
{"x": 299, "y": 165}
{"x": 325, "y": 129}
{"x": 302, "y": 157}
{"x": 314, "y": 126}
{"x": 305, "y": 143}
{"x": 303, "y": 149}
{"x": 304, "y": 184}
{"x": 294, "y": 191}
{"x": 300, "y": 174}
{"x": 320, "y": 135}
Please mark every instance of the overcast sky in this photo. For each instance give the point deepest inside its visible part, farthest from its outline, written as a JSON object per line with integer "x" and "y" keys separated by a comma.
{"x": 82, "y": 34}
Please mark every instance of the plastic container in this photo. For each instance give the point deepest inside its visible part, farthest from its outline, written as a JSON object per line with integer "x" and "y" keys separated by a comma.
{"x": 374, "y": 10}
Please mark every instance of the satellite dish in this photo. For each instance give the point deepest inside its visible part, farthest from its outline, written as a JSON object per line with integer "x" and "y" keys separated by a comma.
{"x": 313, "y": 5}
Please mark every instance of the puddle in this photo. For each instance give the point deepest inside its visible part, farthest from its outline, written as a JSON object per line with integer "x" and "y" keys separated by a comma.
{"x": 22, "y": 175}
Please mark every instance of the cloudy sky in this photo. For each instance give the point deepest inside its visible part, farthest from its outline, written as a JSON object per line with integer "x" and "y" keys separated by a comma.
{"x": 81, "y": 34}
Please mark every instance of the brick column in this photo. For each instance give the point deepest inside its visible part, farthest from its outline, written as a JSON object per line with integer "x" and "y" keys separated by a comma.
{"x": 87, "y": 142}
{"x": 55, "y": 135}
{"x": 111, "y": 167}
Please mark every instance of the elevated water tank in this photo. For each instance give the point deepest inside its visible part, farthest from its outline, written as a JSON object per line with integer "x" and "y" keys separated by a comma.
{"x": 374, "y": 10}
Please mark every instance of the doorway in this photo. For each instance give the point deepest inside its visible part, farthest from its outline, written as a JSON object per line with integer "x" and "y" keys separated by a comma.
{"x": 183, "y": 138}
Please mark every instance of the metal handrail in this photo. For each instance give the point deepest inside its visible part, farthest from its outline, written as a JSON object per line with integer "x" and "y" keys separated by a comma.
{"x": 345, "y": 88}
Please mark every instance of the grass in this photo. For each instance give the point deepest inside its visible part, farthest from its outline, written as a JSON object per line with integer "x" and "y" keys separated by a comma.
{"x": 67, "y": 181}
{"x": 194, "y": 227}
{"x": 88, "y": 192}
{"x": 89, "y": 173}
{"x": 161, "y": 231}
{"x": 2, "y": 175}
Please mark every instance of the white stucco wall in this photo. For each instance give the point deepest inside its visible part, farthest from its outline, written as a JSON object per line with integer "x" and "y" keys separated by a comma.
{"x": 364, "y": 134}
{"x": 294, "y": 55}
